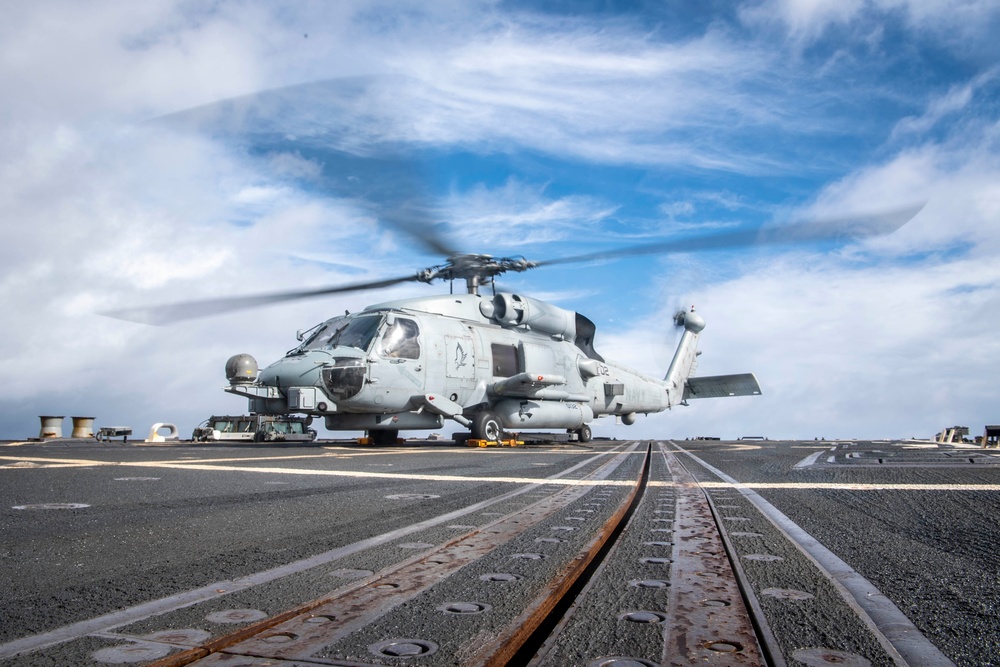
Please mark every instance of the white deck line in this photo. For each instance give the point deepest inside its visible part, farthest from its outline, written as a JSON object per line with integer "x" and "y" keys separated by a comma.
{"x": 218, "y": 589}
{"x": 809, "y": 460}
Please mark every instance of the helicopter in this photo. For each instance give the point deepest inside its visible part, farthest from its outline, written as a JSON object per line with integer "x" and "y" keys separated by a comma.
{"x": 491, "y": 363}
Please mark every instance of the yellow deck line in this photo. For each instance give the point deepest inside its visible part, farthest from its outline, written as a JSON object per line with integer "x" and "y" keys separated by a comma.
{"x": 213, "y": 466}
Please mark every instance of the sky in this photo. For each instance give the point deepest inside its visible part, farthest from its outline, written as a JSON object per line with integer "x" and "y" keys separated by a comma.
{"x": 163, "y": 151}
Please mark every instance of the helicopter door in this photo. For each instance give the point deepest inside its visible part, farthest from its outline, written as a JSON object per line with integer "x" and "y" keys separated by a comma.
{"x": 401, "y": 352}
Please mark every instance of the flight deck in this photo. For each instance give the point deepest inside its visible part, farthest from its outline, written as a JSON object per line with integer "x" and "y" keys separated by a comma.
{"x": 631, "y": 552}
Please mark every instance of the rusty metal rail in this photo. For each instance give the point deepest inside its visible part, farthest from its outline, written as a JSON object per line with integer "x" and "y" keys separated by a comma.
{"x": 708, "y": 611}
{"x": 703, "y": 620}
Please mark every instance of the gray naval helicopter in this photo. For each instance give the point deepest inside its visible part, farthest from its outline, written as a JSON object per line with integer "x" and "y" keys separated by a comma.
{"x": 491, "y": 363}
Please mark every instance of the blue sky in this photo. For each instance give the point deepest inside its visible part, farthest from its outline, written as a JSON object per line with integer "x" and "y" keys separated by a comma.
{"x": 160, "y": 151}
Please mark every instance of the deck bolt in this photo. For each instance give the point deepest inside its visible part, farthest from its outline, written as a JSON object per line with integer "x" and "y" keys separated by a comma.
{"x": 655, "y": 560}
{"x": 321, "y": 618}
{"x": 618, "y": 661}
{"x": 649, "y": 583}
{"x": 643, "y": 617}
{"x": 403, "y": 648}
{"x": 134, "y": 652}
{"x": 716, "y": 603}
{"x": 724, "y": 647}
{"x": 464, "y": 607}
{"x": 500, "y": 576}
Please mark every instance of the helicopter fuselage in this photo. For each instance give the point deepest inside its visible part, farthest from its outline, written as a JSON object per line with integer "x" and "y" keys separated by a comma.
{"x": 413, "y": 363}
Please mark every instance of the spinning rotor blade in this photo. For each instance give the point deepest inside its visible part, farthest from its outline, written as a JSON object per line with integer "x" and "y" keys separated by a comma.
{"x": 175, "y": 312}
{"x": 831, "y": 229}
{"x": 346, "y": 127}
{"x": 417, "y": 223}
{"x": 343, "y": 127}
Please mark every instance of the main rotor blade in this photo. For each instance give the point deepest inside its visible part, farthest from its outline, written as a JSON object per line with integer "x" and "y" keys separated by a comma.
{"x": 188, "y": 310}
{"x": 346, "y": 128}
{"x": 831, "y": 229}
{"x": 418, "y": 223}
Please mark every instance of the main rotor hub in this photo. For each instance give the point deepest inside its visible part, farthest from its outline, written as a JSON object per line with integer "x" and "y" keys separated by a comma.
{"x": 475, "y": 269}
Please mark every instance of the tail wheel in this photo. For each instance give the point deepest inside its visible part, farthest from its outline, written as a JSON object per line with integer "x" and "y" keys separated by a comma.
{"x": 584, "y": 434}
{"x": 384, "y": 436}
{"x": 487, "y": 426}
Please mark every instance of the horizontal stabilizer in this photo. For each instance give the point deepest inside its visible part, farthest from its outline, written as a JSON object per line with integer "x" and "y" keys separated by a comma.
{"x": 722, "y": 386}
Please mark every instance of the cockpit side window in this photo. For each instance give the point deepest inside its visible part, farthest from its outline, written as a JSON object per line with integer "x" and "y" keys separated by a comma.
{"x": 401, "y": 340}
{"x": 505, "y": 360}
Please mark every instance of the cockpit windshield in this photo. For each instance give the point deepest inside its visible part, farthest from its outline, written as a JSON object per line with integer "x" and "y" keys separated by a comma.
{"x": 321, "y": 335}
{"x": 347, "y": 331}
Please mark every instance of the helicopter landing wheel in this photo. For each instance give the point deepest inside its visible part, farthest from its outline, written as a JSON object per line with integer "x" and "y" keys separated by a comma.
{"x": 487, "y": 426}
{"x": 584, "y": 434}
{"x": 384, "y": 436}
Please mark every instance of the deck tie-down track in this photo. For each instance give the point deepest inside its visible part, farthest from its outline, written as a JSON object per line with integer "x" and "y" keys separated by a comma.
{"x": 639, "y": 554}
{"x": 526, "y": 580}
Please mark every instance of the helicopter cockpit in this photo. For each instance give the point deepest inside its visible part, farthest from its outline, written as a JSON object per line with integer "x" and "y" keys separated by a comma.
{"x": 400, "y": 337}
{"x": 349, "y": 339}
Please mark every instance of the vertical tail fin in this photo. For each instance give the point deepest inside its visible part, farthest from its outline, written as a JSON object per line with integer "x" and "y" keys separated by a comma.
{"x": 685, "y": 358}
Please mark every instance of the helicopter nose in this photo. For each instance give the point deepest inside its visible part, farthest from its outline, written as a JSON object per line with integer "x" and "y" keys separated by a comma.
{"x": 297, "y": 371}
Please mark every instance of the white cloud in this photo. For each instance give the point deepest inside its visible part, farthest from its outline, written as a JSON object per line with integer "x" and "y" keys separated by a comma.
{"x": 94, "y": 220}
{"x": 963, "y": 26}
{"x": 806, "y": 20}
{"x": 518, "y": 215}
{"x": 884, "y": 351}
{"x": 606, "y": 95}
{"x": 957, "y": 178}
{"x": 955, "y": 100}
